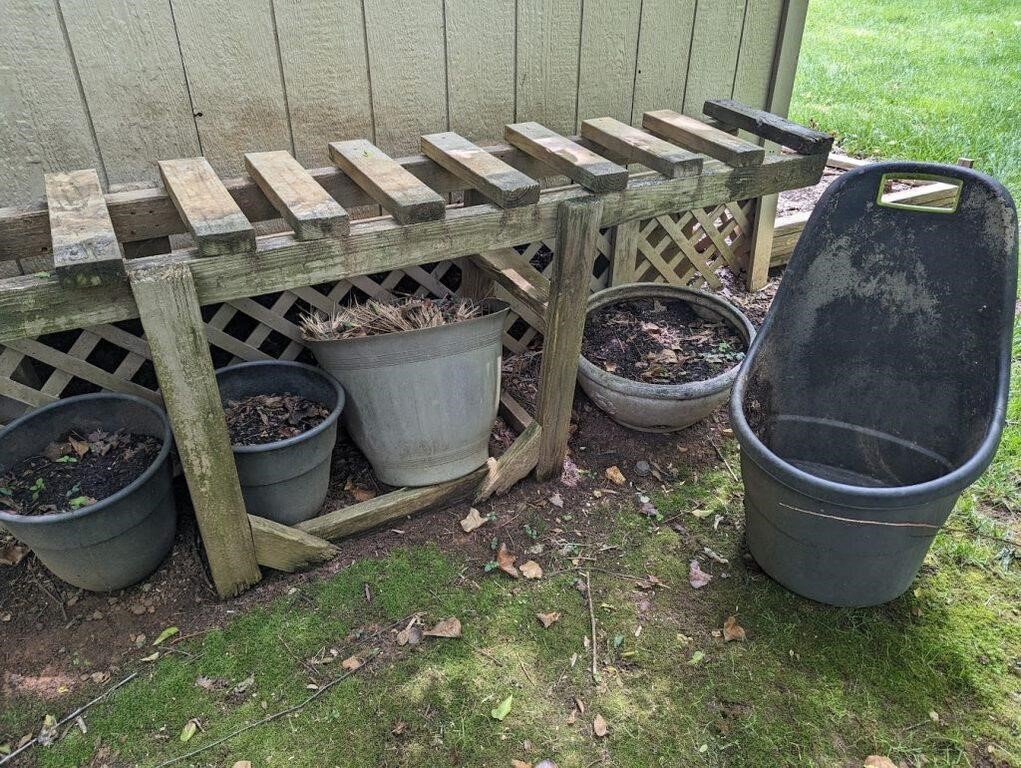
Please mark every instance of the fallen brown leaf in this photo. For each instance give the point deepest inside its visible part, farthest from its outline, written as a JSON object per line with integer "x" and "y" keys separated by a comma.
{"x": 557, "y": 500}
{"x": 410, "y": 635}
{"x": 531, "y": 570}
{"x": 472, "y": 521}
{"x": 520, "y": 764}
{"x": 80, "y": 447}
{"x": 599, "y": 727}
{"x": 362, "y": 494}
{"x": 243, "y": 764}
{"x": 351, "y": 663}
{"x": 650, "y": 582}
{"x": 879, "y": 761}
{"x": 732, "y": 630}
{"x": 447, "y": 628}
{"x": 615, "y": 476}
{"x": 505, "y": 560}
{"x": 696, "y": 576}
{"x": 398, "y": 728}
{"x": 548, "y": 619}
{"x": 12, "y": 554}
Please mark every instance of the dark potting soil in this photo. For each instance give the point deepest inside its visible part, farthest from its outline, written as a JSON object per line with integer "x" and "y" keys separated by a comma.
{"x": 660, "y": 342}
{"x": 76, "y": 471}
{"x": 267, "y": 418}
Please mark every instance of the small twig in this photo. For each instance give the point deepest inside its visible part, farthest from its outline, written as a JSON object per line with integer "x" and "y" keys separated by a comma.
{"x": 70, "y": 717}
{"x": 592, "y": 619}
{"x": 527, "y": 676}
{"x": 724, "y": 460}
{"x": 270, "y": 718}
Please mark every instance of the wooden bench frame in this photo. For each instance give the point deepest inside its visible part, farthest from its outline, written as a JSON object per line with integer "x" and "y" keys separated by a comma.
{"x": 167, "y": 291}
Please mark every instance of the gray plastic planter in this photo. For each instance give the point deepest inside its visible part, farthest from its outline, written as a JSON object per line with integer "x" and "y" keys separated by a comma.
{"x": 421, "y": 403}
{"x": 286, "y": 480}
{"x": 876, "y": 390}
{"x": 119, "y": 540}
{"x": 649, "y": 407}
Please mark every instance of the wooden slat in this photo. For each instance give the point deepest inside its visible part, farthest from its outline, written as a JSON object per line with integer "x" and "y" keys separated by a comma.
{"x": 172, "y": 320}
{"x": 624, "y": 259}
{"x": 515, "y": 464}
{"x": 85, "y": 247}
{"x": 523, "y": 282}
{"x": 205, "y": 205}
{"x": 703, "y": 138}
{"x": 583, "y": 166}
{"x": 406, "y": 501}
{"x": 514, "y": 413}
{"x": 504, "y": 185}
{"x": 306, "y": 207}
{"x": 407, "y": 199}
{"x": 803, "y": 140}
{"x": 637, "y": 146}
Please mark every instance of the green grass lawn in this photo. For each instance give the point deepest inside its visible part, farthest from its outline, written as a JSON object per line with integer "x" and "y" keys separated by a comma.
{"x": 932, "y": 679}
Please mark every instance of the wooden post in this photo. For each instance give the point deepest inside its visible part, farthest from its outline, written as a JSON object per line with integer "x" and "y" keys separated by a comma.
{"x": 785, "y": 65}
{"x": 168, "y": 307}
{"x": 475, "y": 284}
{"x": 577, "y": 232}
{"x": 624, "y": 260}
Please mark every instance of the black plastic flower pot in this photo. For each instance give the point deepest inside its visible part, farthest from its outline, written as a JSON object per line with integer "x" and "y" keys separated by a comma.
{"x": 119, "y": 540}
{"x": 286, "y": 480}
{"x": 875, "y": 392}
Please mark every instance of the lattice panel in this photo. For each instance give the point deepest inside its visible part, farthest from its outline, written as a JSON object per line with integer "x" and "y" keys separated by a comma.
{"x": 684, "y": 249}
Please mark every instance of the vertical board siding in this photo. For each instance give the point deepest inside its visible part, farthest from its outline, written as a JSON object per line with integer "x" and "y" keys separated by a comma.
{"x": 133, "y": 80}
{"x": 230, "y": 57}
{"x": 480, "y": 67}
{"x": 664, "y": 41}
{"x": 322, "y": 49}
{"x": 714, "y": 49}
{"x": 549, "y": 43}
{"x": 408, "y": 68}
{"x": 43, "y": 121}
{"x": 118, "y": 84}
{"x": 609, "y": 47}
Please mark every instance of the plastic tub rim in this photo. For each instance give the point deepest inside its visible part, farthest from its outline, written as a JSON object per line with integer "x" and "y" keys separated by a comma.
{"x": 77, "y": 514}
{"x": 301, "y": 436}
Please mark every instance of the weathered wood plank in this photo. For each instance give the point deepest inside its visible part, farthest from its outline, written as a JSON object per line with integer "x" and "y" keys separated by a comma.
{"x": 205, "y": 205}
{"x": 285, "y": 548}
{"x": 515, "y": 464}
{"x": 523, "y": 282}
{"x": 624, "y": 259}
{"x": 407, "y": 199}
{"x": 637, "y": 146}
{"x": 547, "y": 65}
{"x": 504, "y": 185}
{"x": 85, "y": 248}
{"x": 382, "y": 509}
{"x": 172, "y": 321}
{"x": 514, "y": 413}
{"x": 306, "y": 207}
{"x": 567, "y": 157}
{"x": 31, "y": 305}
{"x": 769, "y": 126}
{"x": 577, "y": 231}
{"x": 475, "y": 284}
{"x": 693, "y": 133}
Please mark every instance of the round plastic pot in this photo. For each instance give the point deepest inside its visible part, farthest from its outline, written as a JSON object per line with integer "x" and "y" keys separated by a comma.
{"x": 119, "y": 540}
{"x": 650, "y": 407}
{"x": 286, "y": 480}
{"x": 421, "y": 403}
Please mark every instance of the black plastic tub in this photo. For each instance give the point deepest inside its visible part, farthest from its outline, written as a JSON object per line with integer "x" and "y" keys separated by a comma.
{"x": 286, "y": 480}
{"x": 119, "y": 540}
{"x": 876, "y": 390}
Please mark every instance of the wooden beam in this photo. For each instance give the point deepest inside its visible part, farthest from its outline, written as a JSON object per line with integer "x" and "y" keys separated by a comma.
{"x": 581, "y": 165}
{"x": 514, "y": 274}
{"x": 406, "y": 198}
{"x": 406, "y": 501}
{"x": 306, "y": 207}
{"x": 31, "y": 305}
{"x": 504, "y": 185}
{"x": 514, "y": 465}
{"x": 85, "y": 248}
{"x": 514, "y": 413}
{"x": 703, "y": 138}
{"x": 172, "y": 320}
{"x": 624, "y": 257}
{"x": 577, "y": 233}
{"x": 475, "y": 284}
{"x": 213, "y": 218}
{"x": 637, "y": 146}
{"x": 285, "y": 548}
{"x": 769, "y": 126}
{"x": 757, "y": 271}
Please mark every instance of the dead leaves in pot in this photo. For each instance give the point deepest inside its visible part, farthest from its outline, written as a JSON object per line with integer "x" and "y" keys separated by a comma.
{"x": 447, "y": 628}
{"x": 473, "y": 521}
{"x": 732, "y": 631}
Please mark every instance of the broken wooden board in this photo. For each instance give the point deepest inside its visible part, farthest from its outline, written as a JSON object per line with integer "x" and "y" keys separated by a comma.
{"x": 406, "y": 198}
{"x": 503, "y": 184}
{"x": 306, "y": 207}
{"x": 206, "y": 207}
{"x": 85, "y": 248}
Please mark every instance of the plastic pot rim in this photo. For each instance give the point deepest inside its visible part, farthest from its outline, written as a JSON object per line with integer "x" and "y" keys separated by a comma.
{"x": 301, "y": 436}
{"x": 689, "y": 390}
{"x": 91, "y": 509}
